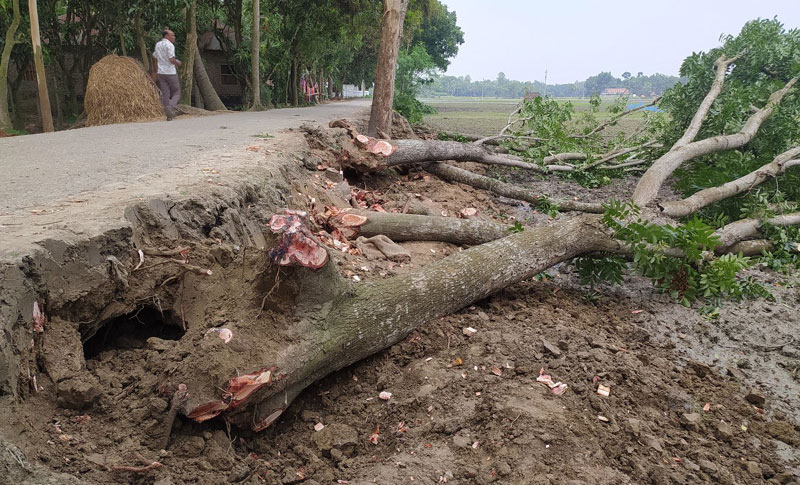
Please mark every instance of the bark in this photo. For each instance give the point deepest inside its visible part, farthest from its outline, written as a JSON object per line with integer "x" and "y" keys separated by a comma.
{"x": 706, "y": 197}
{"x": 411, "y": 227}
{"x": 405, "y": 152}
{"x": 197, "y": 98}
{"x": 210, "y": 97}
{"x": 721, "y": 67}
{"x": 140, "y": 41}
{"x": 255, "y": 54}
{"x": 380, "y": 119}
{"x": 364, "y": 319}
{"x": 455, "y": 174}
{"x": 650, "y": 183}
{"x": 5, "y": 59}
{"x": 187, "y": 72}
{"x": 750, "y": 229}
{"x": 41, "y": 80}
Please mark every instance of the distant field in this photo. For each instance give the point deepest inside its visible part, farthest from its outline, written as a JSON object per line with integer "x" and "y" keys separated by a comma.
{"x": 487, "y": 116}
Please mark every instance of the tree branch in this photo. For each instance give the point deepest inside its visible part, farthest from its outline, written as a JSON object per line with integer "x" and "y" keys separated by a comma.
{"x": 616, "y": 118}
{"x": 455, "y": 174}
{"x": 411, "y": 227}
{"x": 706, "y": 197}
{"x": 654, "y": 178}
{"x": 617, "y": 153}
{"x": 721, "y": 68}
{"x": 749, "y": 228}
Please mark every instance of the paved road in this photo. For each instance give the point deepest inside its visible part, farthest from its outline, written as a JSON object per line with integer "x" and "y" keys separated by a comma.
{"x": 39, "y": 170}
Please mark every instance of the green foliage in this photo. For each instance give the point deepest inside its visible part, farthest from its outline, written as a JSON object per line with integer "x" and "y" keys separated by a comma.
{"x": 770, "y": 56}
{"x": 508, "y": 88}
{"x": 679, "y": 259}
{"x": 516, "y": 228}
{"x": 414, "y": 69}
{"x": 591, "y": 271}
{"x": 785, "y": 253}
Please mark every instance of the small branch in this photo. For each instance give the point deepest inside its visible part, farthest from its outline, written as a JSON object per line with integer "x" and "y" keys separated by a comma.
{"x": 164, "y": 253}
{"x": 617, "y": 153}
{"x": 455, "y": 174}
{"x": 136, "y": 469}
{"x": 616, "y": 118}
{"x": 631, "y": 163}
{"x": 177, "y": 402}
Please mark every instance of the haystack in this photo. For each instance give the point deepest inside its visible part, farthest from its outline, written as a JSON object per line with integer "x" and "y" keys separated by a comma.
{"x": 120, "y": 91}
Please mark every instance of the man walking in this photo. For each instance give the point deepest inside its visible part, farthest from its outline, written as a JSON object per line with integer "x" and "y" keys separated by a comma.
{"x": 167, "y": 72}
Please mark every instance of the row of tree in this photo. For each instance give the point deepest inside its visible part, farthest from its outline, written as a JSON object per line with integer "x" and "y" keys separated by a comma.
{"x": 502, "y": 87}
{"x": 268, "y": 44}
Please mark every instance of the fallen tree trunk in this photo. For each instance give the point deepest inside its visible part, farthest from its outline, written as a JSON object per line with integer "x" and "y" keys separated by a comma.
{"x": 358, "y": 321}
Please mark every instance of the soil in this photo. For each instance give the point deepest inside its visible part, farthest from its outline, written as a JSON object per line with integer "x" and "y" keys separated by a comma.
{"x": 690, "y": 399}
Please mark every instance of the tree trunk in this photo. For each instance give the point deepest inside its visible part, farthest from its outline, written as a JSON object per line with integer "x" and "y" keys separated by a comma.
{"x": 5, "y": 59}
{"x": 197, "y": 97}
{"x": 187, "y": 72}
{"x": 122, "y": 47}
{"x": 141, "y": 42}
{"x": 294, "y": 81}
{"x": 41, "y": 78}
{"x": 211, "y": 100}
{"x": 255, "y": 54}
{"x": 357, "y": 321}
{"x": 380, "y": 119}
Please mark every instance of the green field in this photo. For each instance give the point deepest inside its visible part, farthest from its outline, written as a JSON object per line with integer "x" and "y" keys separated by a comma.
{"x": 487, "y": 116}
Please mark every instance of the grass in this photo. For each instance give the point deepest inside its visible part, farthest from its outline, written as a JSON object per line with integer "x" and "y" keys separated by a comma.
{"x": 487, "y": 116}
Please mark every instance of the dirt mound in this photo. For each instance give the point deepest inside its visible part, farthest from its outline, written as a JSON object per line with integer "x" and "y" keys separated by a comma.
{"x": 119, "y": 91}
{"x": 467, "y": 405}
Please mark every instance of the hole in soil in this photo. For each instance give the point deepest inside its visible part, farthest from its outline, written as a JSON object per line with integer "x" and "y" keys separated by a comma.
{"x": 131, "y": 331}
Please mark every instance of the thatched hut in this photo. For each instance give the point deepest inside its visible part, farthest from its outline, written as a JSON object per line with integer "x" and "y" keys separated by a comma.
{"x": 120, "y": 91}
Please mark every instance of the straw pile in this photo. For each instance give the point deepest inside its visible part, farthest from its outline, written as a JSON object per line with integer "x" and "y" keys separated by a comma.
{"x": 120, "y": 91}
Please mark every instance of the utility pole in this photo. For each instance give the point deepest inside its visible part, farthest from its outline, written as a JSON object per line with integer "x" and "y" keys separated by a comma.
{"x": 545, "y": 83}
{"x": 41, "y": 78}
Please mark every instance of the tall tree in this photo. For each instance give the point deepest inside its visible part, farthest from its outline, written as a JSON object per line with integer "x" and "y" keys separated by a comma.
{"x": 41, "y": 79}
{"x": 255, "y": 53}
{"x": 210, "y": 97}
{"x": 191, "y": 47}
{"x": 380, "y": 119}
{"x": 5, "y": 59}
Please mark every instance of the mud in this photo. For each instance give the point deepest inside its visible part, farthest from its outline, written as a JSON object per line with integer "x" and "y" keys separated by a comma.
{"x": 691, "y": 399}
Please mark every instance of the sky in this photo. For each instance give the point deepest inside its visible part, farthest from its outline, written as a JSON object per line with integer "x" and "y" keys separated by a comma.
{"x": 575, "y": 39}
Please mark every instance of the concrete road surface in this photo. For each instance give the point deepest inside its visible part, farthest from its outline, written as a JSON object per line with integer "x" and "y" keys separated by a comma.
{"x": 37, "y": 171}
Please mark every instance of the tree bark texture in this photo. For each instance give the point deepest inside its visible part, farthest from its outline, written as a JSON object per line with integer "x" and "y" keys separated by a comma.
{"x": 210, "y": 97}
{"x": 187, "y": 73}
{"x": 5, "y": 59}
{"x": 141, "y": 42}
{"x": 721, "y": 68}
{"x": 411, "y": 227}
{"x": 749, "y": 229}
{"x": 380, "y": 119}
{"x": 41, "y": 79}
{"x": 255, "y": 53}
{"x": 367, "y": 318}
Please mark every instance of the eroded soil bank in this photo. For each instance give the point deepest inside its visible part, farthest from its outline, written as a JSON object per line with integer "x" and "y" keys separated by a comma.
{"x": 689, "y": 399}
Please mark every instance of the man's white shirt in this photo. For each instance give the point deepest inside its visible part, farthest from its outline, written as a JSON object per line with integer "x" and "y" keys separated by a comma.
{"x": 163, "y": 53}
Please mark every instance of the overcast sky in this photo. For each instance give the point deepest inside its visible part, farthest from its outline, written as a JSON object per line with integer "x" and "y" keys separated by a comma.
{"x": 575, "y": 39}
